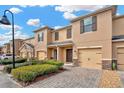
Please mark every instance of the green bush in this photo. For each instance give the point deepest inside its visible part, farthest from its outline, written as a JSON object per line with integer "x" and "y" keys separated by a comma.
{"x": 8, "y": 68}
{"x": 9, "y": 61}
{"x": 55, "y": 62}
{"x": 29, "y": 73}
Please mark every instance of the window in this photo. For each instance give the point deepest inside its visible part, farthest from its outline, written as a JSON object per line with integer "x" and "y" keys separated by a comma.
{"x": 56, "y": 36}
{"x": 40, "y": 36}
{"x": 88, "y": 24}
{"x": 69, "y": 33}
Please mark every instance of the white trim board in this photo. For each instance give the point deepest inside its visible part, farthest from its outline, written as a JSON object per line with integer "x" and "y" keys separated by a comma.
{"x": 119, "y": 46}
{"x": 89, "y": 47}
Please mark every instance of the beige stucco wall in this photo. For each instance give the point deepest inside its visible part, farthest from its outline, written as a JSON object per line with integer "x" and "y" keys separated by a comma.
{"x": 62, "y": 35}
{"x": 61, "y": 52}
{"x": 101, "y": 37}
{"x": 41, "y": 46}
{"x": 118, "y": 26}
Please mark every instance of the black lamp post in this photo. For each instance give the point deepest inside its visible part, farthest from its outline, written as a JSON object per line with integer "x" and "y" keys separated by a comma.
{"x": 4, "y": 20}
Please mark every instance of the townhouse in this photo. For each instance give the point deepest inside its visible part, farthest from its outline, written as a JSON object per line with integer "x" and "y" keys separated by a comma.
{"x": 7, "y": 47}
{"x": 1, "y": 50}
{"x": 94, "y": 41}
{"x": 27, "y": 48}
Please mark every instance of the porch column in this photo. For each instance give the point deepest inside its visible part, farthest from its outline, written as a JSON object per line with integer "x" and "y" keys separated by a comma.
{"x": 58, "y": 53}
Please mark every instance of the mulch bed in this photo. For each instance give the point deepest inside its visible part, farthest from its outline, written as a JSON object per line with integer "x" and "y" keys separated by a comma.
{"x": 39, "y": 78}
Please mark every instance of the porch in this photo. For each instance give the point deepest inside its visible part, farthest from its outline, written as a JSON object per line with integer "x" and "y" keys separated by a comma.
{"x": 61, "y": 51}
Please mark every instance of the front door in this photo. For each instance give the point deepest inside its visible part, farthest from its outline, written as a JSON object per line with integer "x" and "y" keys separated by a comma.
{"x": 55, "y": 54}
{"x": 69, "y": 55}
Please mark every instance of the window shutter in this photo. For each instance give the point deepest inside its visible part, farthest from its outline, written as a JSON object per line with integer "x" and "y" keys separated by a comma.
{"x": 69, "y": 33}
{"x": 81, "y": 26}
{"x": 42, "y": 36}
{"x": 56, "y": 35}
{"x": 94, "y": 23}
{"x": 38, "y": 38}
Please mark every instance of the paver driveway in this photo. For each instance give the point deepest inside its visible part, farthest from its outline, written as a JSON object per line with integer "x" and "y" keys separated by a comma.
{"x": 5, "y": 82}
{"x": 121, "y": 74}
{"x": 74, "y": 77}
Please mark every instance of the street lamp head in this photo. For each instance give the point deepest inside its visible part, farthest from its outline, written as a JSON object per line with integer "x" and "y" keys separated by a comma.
{"x": 4, "y": 20}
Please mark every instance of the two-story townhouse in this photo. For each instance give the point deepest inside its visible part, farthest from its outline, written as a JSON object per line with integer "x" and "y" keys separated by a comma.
{"x": 42, "y": 37}
{"x": 27, "y": 48}
{"x": 1, "y": 49}
{"x": 94, "y": 40}
{"x": 118, "y": 41}
{"x": 61, "y": 45}
{"x": 6, "y": 48}
{"x": 18, "y": 44}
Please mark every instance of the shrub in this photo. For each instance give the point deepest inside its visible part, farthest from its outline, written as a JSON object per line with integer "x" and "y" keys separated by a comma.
{"x": 8, "y": 68}
{"x": 9, "y": 61}
{"x": 29, "y": 73}
{"x": 55, "y": 62}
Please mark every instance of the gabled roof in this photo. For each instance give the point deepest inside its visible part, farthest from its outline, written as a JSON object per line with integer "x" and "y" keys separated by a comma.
{"x": 118, "y": 17}
{"x": 26, "y": 44}
{"x": 28, "y": 38}
{"x": 42, "y": 28}
{"x": 65, "y": 27}
{"x": 113, "y": 8}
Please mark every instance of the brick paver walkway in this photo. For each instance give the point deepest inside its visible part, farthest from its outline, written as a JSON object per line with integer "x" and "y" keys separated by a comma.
{"x": 74, "y": 77}
{"x": 110, "y": 79}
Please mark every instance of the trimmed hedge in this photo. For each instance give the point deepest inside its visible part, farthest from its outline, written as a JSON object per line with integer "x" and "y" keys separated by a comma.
{"x": 8, "y": 68}
{"x": 29, "y": 73}
{"x": 9, "y": 61}
{"x": 54, "y": 62}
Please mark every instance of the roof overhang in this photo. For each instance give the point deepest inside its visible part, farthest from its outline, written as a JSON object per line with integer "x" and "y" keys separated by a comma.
{"x": 61, "y": 44}
{"x": 113, "y": 8}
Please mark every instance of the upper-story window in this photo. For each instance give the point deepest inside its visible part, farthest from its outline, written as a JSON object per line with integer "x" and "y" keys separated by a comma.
{"x": 88, "y": 24}
{"x": 40, "y": 36}
{"x": 56, "y": 36}
{"x": 69, "y": 34}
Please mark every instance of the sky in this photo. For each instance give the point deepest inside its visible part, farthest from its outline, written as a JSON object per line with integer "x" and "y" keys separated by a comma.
{"x": 31, "y": 17}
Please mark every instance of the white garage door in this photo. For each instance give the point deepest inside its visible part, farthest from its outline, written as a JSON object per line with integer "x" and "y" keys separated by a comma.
{"x": 120, "y": 58}
{"x": 90, "y": 58}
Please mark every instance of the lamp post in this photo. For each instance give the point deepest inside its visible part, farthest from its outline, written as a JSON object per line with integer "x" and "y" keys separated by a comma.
{"x": 4, "y": 20}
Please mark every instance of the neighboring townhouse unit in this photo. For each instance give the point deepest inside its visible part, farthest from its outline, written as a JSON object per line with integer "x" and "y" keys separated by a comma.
{"x": 6, "y": 48}
{"x": 27, "y": 48}
{"x": 18, "y": 44}
{"x": 118, "y": 41}
{"x": 42, "y": 37}
{"x": 1, "y": 49}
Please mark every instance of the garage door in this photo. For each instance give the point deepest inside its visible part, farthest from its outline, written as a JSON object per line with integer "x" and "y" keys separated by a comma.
{"x": 41, "y": 55}
{"x": 90, "y": 58}
{"x": 120, "y": 58}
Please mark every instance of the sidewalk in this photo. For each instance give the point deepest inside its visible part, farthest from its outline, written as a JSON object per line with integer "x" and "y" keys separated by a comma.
{"x": 7, "y": 82}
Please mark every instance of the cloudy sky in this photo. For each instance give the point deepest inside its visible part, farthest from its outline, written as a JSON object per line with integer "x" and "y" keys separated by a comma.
{"x": 31, "y": 17}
